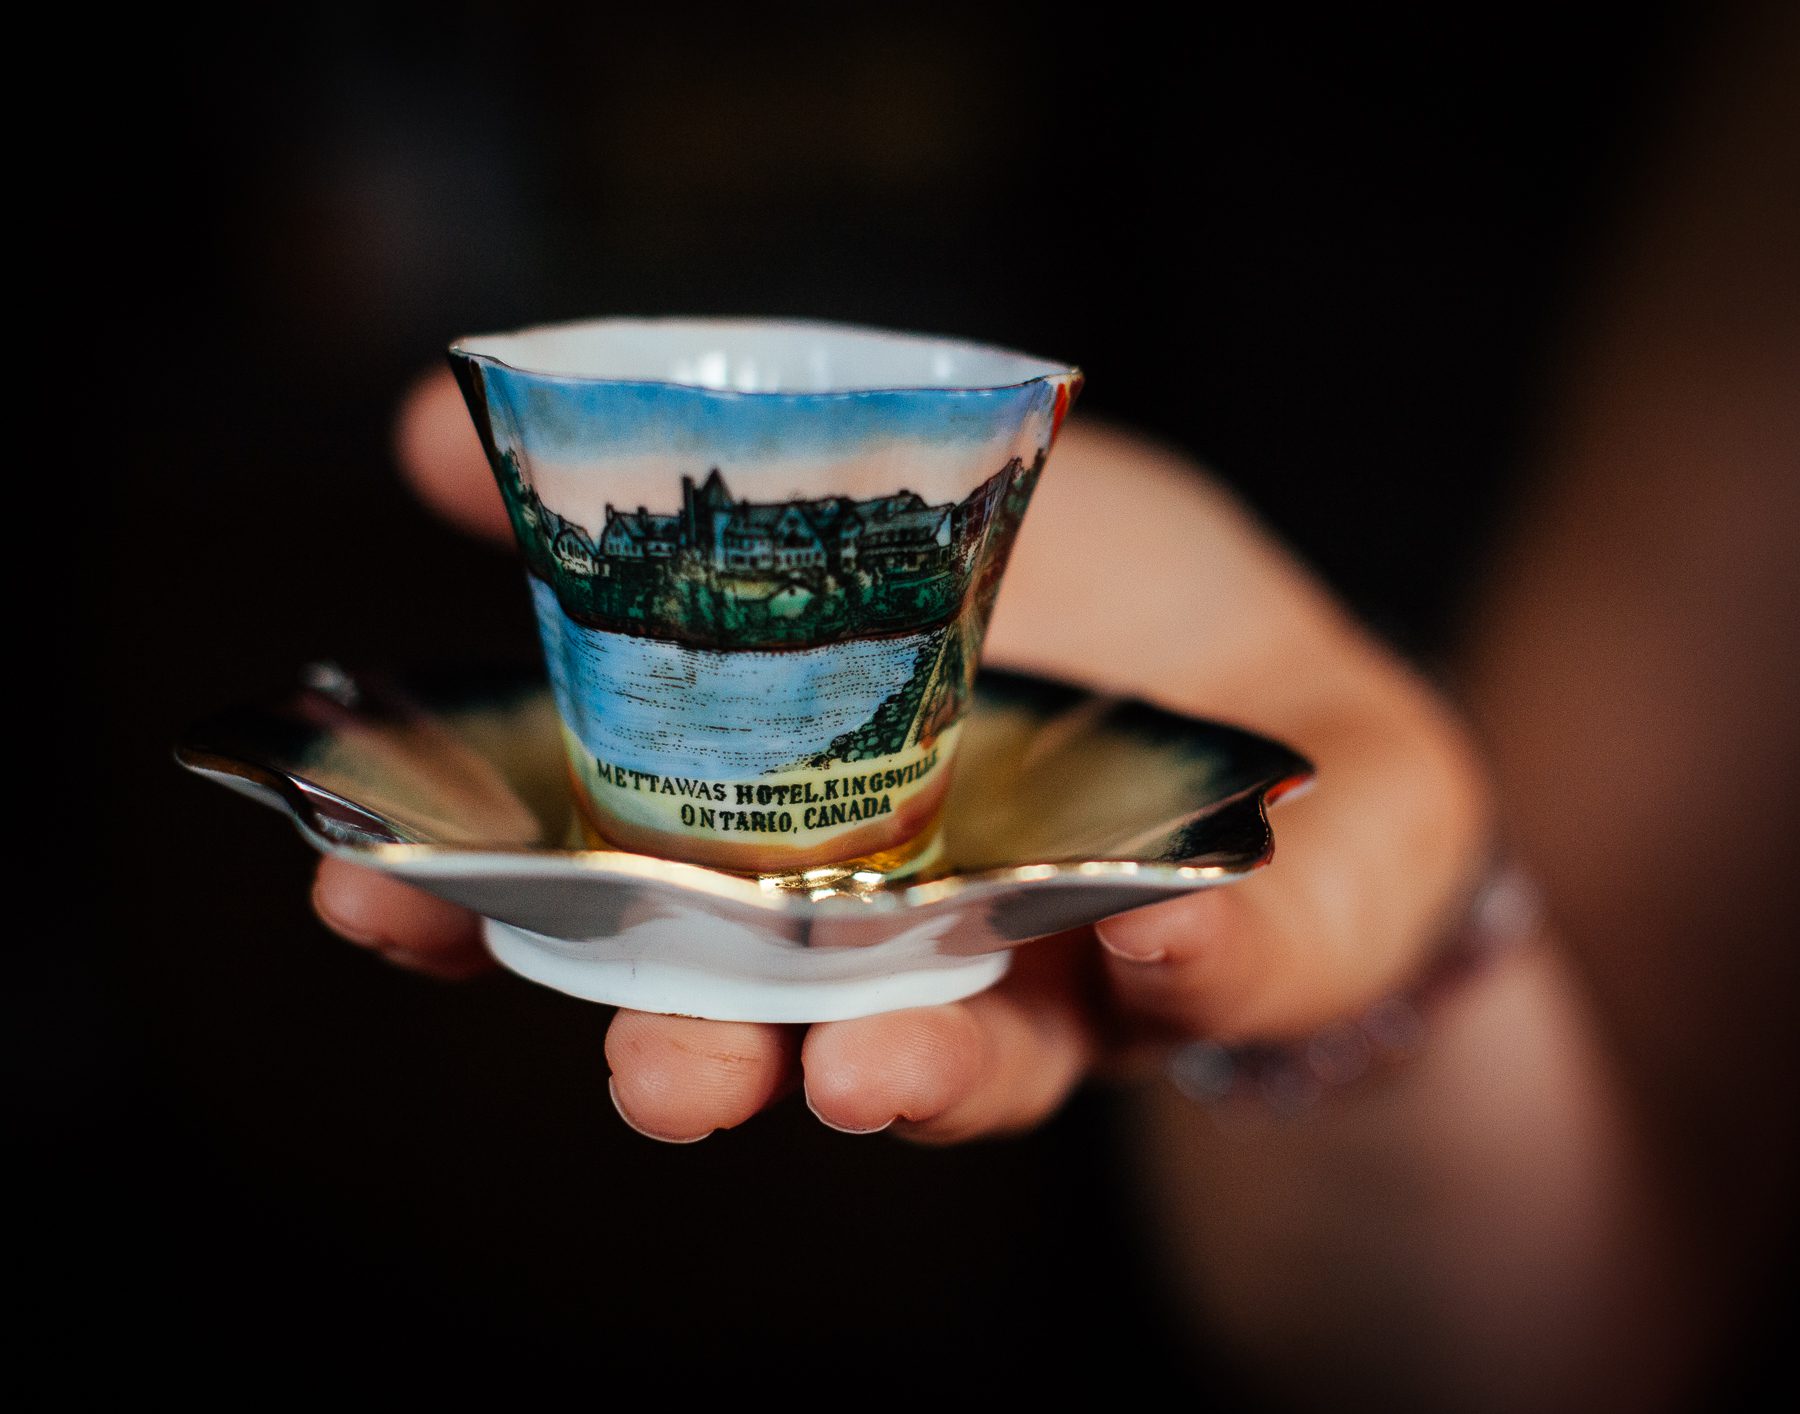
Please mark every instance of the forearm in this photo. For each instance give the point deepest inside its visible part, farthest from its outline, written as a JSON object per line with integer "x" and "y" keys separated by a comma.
{"x": 1467, "y": 1231}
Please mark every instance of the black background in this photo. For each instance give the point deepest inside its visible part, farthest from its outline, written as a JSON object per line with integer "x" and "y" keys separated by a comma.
{"x": 1332, "y": 257}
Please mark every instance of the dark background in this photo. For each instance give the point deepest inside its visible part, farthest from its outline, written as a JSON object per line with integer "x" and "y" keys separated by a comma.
{"x": 1332, "y": 257}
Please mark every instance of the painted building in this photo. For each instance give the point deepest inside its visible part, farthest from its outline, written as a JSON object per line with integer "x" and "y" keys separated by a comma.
{"x": 834, "y": 535}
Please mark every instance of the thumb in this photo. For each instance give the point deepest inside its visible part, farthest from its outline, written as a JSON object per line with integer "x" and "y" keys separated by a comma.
{"x": 441, "y": 458}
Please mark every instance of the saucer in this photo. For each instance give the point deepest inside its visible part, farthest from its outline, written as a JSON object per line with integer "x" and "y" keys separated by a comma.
{"x": 1066, "y": 807}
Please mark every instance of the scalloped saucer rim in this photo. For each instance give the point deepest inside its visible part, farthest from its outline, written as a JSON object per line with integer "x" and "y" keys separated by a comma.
{"x": 662, "y": 935}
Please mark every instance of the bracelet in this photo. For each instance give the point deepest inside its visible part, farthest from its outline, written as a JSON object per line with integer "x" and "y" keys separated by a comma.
{"x": 1289, "y": 1077}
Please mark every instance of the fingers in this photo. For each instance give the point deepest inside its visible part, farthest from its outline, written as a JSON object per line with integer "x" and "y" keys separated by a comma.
{"x": 409, "y": 928}
{"x": 1371, "y": 869}
{"x": 677, "y": 1079}
{"x": 997, "y": 1063}
{"x": 442, "y": 458}
{"x": 673, "y": 1078}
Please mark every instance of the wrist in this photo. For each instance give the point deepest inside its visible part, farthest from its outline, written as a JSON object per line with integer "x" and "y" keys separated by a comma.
{"x": 1504, "y": 915}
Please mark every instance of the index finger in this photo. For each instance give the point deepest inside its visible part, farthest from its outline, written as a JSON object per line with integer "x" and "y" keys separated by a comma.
{"x": 1368, "y": 870}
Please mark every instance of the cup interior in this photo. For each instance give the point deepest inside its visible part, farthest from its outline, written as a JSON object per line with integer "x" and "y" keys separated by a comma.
{"x": 757, "y": 356}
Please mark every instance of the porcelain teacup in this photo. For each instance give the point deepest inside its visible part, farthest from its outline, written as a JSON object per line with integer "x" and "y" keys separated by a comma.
{"x": 763, "y": 556}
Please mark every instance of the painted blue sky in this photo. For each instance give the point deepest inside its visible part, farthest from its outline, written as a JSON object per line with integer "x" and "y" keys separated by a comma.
{"x": 568, "y": 420}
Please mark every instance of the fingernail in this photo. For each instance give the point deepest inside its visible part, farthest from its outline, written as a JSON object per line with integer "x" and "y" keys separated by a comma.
{"x": 399, "y": 957}
{"x": 612, "y": 1089}
{"x": 845, "y": 1128}
{"x": 1130, "y": 949}
{"x": 361, "y": 936}
{"x": 396, "y": 956}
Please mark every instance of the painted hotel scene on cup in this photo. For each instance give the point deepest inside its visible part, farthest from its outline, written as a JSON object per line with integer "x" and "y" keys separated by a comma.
{"x": 762, "y": 611}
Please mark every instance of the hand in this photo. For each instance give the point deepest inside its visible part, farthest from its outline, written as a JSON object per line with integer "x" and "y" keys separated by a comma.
{"x": 1137, "y": 575}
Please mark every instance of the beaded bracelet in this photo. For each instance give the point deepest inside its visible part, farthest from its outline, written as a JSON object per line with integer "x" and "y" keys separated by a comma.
{"x": 1289, "y": 1077}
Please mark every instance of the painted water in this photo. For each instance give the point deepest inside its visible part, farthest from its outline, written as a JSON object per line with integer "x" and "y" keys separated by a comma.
{"x": 651, "y": 705}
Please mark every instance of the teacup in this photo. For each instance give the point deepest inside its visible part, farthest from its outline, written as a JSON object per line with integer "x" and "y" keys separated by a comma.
{"x": 763, "y": 556}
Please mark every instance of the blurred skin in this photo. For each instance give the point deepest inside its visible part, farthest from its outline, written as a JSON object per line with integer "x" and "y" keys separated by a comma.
{"x": 1573, "y": 1198}
{"x": 1565, "y": 1200}
{"x": 1636, "y": 673}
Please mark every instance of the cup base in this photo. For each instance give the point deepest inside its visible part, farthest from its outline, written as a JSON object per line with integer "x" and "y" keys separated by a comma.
{"x": 835, "y": 985}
